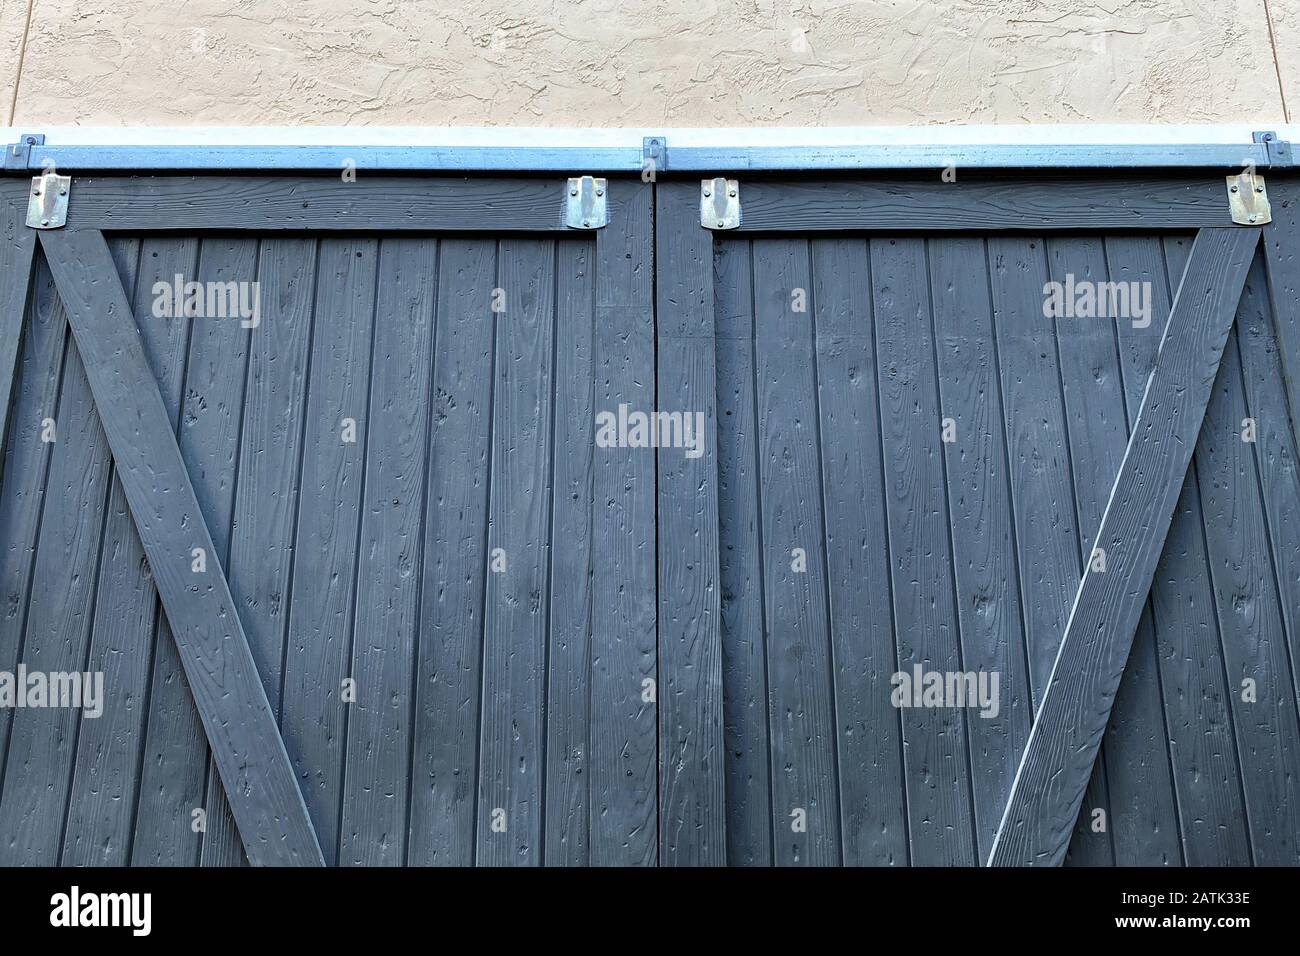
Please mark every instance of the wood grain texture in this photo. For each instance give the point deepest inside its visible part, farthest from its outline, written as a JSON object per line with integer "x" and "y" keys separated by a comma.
{"x": 377, "y": 763}
{"x": 1042, "y": 496}
{"x": 936, "y": 759}
{"x": 449, "y": 681}
{"x": 516, "y": 601}
{"x": 1255, "y": 656}
{"x": 1275, "y": 447}
{"x": 26, "y": 466}
{"x": 625, "y": 721}
{"x": 1211, "y": 808}
{"x": 236, "y": 715}
{"x": 1073, "y": 202}
{"x": 266, "y": 496}
{"x": 873, "y": 824}
{"x": 801, "y": 703}
{"x": 174, "y": 775}
{"x": 17, "y": 258}
{"x": 318, "y": 203}
{"x": 1050, "y": 783}
{"x": 569, "y": 650}
{"x": 1282, "y": 258}
{"x": 986, "y": 565}
{"x": 107, "y": 770}
{"x": 323, "y": 585}
{"x": 692, "y": 803}
{"x": 748, "y": 782}
{"x": 43, "y": 740}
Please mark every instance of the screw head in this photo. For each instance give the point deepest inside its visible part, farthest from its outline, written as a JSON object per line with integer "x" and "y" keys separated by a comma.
{"x": 586, "y": 222}
{"x": 574, "y": 191}
{"x": 36, "y": 191}
{"x": 1259, "y": 189}
{"x": 1253, "y": 218}
{"x": 600, "y": 192}
{"x": 721, "y": 223}
{"x": 63, "y": 192}
{"x": 731, "y": 193}
{"x": 1233, "y": 189}
{"x": 708, "y": 192}
{"x": 45, "y": 222}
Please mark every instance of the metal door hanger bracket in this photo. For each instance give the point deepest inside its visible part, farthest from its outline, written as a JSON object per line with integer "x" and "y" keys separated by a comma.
{"x": 1248, "y": 199}
{"x": 720, "y": 203}
{"x": 584, "y": 203}
{"x": 47, "y": 203}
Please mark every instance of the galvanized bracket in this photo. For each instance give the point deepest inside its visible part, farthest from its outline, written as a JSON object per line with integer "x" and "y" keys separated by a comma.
{"x": 584, "y": 203}
{"x": 1279, "y": 150}
{"x": 654, "y": 155}
{"x": 47, "y": 203}
{"x": 1248, "y": 199}
{"x": 720, "y": 203}
{"x": 18, "y": 155}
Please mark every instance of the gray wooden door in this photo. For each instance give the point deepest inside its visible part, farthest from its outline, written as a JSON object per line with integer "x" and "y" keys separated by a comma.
{"x": 366, "y": 584}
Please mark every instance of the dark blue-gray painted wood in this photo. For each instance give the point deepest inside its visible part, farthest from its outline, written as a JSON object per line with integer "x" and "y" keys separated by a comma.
{"x": 569, "y": 821}
{"x": 941, "y": 824}
{"x": 748, "y": 786}
{"x": 1067, "y": 732}
{"x": 26, "y": 464}
{"x": 625, "y": 720}
{"x": 444, "y": 804}
{"x": 516, "y": 603}
{"x": 979, "y": 496}
{"x": 236, "y": 715}
{"x": 873, "y": 824}
{"x": 17, "y": 257}
{"x": 801, "y": 697}
{"x": 379, "y": 732}
{"x": 174, "y": 773}
{"x": 692, "y": 802}
{"x": 325, "y": 544}
{"x": 1262, "y": 695}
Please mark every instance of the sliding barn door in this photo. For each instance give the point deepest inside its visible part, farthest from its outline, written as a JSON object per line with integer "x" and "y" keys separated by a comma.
{"x": 941, "y": 465}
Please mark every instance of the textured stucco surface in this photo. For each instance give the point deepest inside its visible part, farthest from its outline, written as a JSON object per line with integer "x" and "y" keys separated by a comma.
{"x": 645, "y": 62}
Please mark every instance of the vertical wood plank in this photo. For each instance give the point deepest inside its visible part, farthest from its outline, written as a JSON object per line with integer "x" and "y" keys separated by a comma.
{"x": 940, "y": 813}
{"x": 1282, "y": 256}
{"x": 17, "y": 260}
{"x": 325, "y": 547}
{"x": 873, "y": 813}
{"x": 624, "y": 753}
{"x": 174, "y": 770}
{"x": 26, "y": 466}
{"x": 569, "y": 654}
{"x": 449, "y": 681}
{"x": 374, "y": 817}
{"x": 516, "y": 603}
{"x": 979, "y": 495}
{"x": 107, "y": 769}
{"x": 805, "y": 801}
{"x": 1275, "y": 448}
{"x": 236, "y": 715}
{"x": 42, "y": 741}
{"x": 266, "y": 497}
{"x": 748, "y": 782}
{"x": 1262, "y": 695}
{"x": 1049, "y": 785}
{"x": 692, "y": 807}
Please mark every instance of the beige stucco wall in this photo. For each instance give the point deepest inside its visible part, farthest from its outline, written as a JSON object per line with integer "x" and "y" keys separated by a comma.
{"x": 645, "y": 62}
